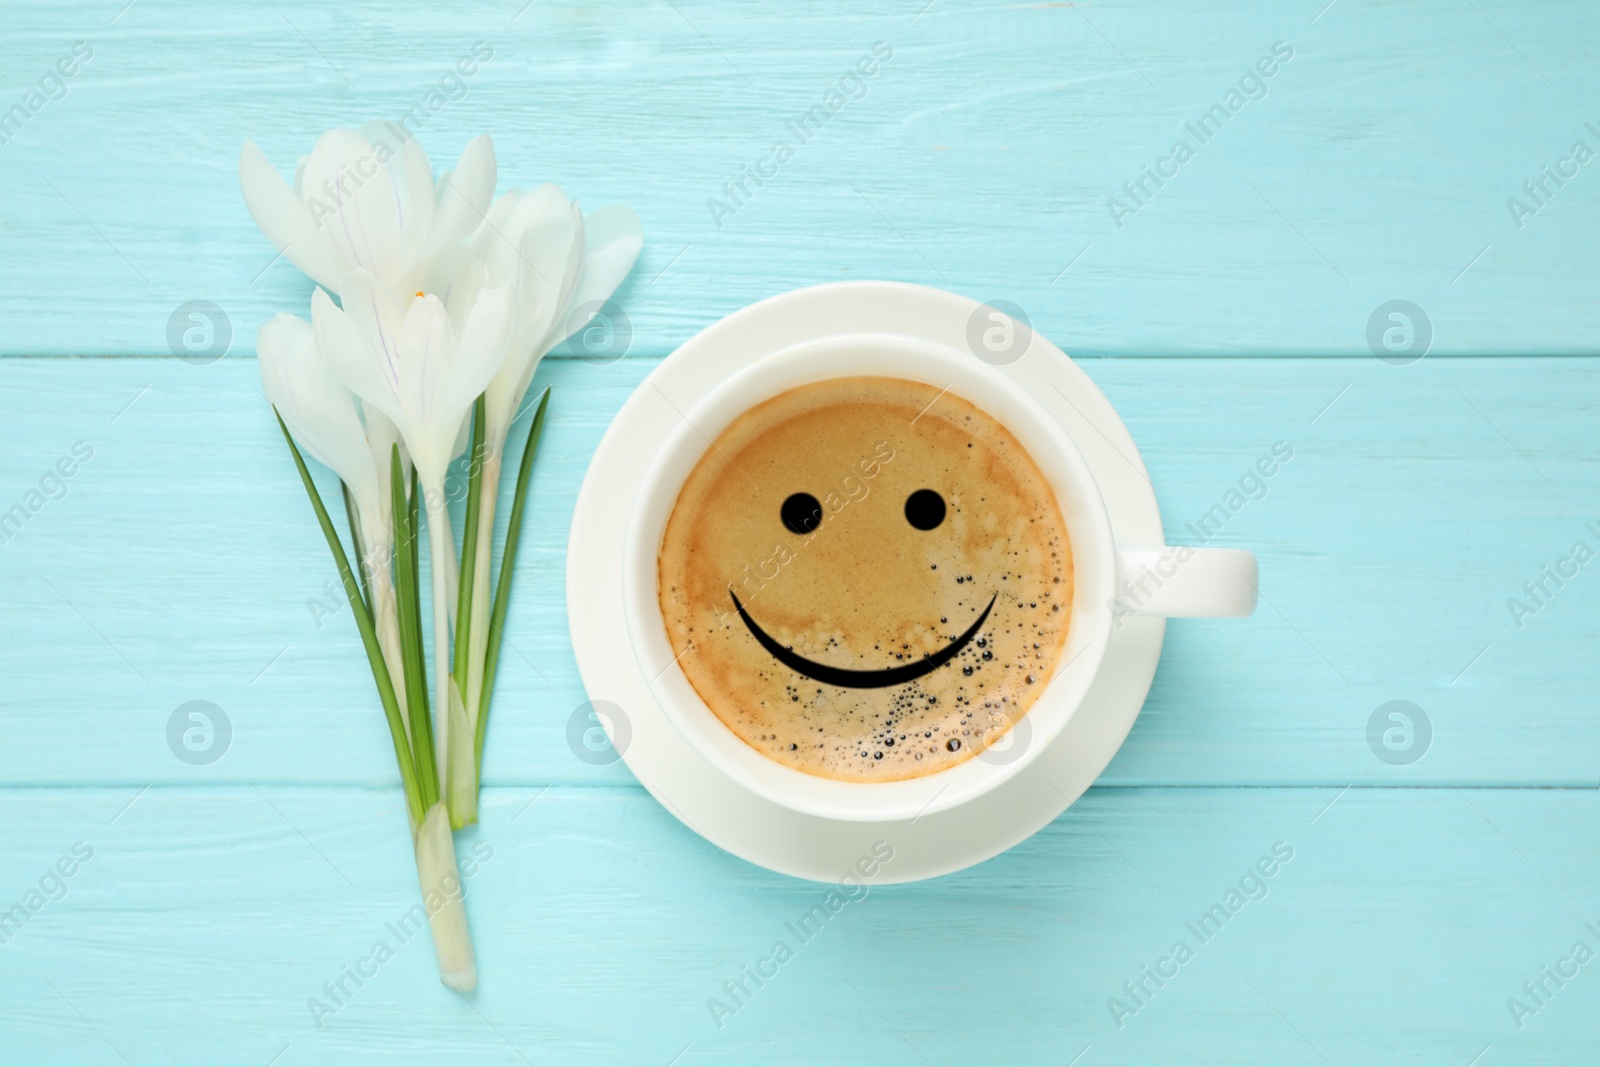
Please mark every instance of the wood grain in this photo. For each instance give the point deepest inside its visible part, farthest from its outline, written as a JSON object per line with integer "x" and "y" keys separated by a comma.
{"x": 210, "y": 916}
{"x": 981, "y": 158}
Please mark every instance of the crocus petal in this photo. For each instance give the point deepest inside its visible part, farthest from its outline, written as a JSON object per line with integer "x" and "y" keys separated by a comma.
{"x": 549, "y": 258}
{"x": 382, "y": 436}
{"x": 420, "y": 193}
{"x": 544, "y": 206}
{"x": 574, "y": 265}
{"x": 283, "y": 219}
{"x": 460, "y": 290}
{"x": 427, "y": 343}
{"x": 352, "y": 199}
{"x": 463, "y": 195}
{"x": 482, "y": 346}
{"x": 427, "y": 357}
{"x": 612, "y": 240}
{"x": 319, "y": 411}
{"x": 548, "y": 244}
{"x": 361, "y": 351}
{"x": 566, "y": 318}
{"x": 448, "y": 372}
{"x": 479, "y": 354}
{"x": 490, "y": 241}
{"x": 412, "y": 179}
{"x": 463, "y": 439}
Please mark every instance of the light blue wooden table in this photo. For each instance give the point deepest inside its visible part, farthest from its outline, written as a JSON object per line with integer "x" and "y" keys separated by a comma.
{"x": 1224, "y": 307}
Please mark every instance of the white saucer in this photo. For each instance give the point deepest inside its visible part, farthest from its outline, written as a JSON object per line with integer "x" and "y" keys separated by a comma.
{"x": 689, "y": 785}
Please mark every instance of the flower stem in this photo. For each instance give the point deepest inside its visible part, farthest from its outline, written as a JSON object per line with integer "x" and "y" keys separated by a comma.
{"x": 472, "y": 639}
{"x": 481, "y": 577}
{"x": 461, "y": 778}
{"x": 466, "y": 580}
{"x": 386, "y": 619}
{"x": 408, "y": 603}
{"x": 442, "y": 894}
{"x": 452, "y": 578}
{"x": 440, "y": 545}
{"x": 508, "y": 561}
{"x": 461, "y": 775}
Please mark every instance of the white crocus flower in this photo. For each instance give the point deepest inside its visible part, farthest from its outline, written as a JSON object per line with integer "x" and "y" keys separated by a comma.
{"x": 562, "y": 266}
{"x": 423, "y": 364}
{"x": 367, "y": 199}
{"x": 332, "y": 428}
{"x": 319, "y": 411}
{"x": 420, "y": 361}
{"x": 533, "y": 244}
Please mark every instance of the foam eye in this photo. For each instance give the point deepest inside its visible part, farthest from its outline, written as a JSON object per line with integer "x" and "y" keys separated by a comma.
{"x": 924, "y": 509}
{"x": 802, "y": 513}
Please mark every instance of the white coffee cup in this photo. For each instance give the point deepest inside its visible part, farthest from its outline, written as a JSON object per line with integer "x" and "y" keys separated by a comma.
{"x": 1110, "y": 580}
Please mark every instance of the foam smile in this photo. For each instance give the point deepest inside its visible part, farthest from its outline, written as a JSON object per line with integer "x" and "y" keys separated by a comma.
{"x": 852, "y": 679}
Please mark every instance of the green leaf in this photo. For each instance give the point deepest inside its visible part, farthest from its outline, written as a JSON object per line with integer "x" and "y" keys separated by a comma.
{"x": 508, "y": 562}
{"x": 409, "y": 609}
{"x": 369, "y": 638}
{"x": 357, "y": 544}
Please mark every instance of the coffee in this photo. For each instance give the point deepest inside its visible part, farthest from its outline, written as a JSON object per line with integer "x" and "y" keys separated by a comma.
{"x": 866, "y": 579}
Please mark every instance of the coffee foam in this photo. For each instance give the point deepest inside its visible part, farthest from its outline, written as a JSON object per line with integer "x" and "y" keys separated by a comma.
{"x": 865, "y": 590}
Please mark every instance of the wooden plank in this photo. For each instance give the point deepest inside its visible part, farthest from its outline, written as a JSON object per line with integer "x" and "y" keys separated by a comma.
{"x": 208, "y": 917}
{"x": 983, "y": 157}
{"x": 183, "y": 564}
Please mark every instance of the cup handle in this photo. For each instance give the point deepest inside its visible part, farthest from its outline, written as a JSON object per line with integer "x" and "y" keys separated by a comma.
{"x": 1178, "y": 582}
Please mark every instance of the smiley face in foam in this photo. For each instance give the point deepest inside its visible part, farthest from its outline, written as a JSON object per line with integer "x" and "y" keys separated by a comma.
{"x": 866, "y": 579}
